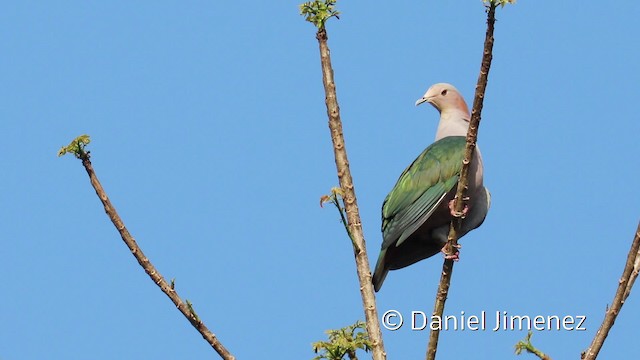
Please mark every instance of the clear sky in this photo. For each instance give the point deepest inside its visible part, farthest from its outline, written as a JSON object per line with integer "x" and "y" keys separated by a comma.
{"x": 210, "y": 135}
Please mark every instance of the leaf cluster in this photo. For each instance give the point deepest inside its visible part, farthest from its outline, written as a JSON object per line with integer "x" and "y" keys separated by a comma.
{"x": 526, "y": 346}
{"x": 76, "y": 147}
{"x": 345, "y": 341}
{"x": 502, "y": 3}
{"x": 318, "y": 12}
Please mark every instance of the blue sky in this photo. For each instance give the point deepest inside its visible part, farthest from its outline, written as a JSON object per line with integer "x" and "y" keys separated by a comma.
{"x": 209, "y": 134}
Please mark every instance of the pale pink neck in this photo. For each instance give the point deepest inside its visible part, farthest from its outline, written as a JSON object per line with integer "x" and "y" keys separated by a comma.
{"x": 453, "y": 122}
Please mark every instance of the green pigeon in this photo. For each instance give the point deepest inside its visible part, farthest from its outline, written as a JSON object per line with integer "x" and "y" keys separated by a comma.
{"x": 417, "y": 212}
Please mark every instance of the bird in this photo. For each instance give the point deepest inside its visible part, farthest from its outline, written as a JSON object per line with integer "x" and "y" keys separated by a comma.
{"x": 417, "y": 212}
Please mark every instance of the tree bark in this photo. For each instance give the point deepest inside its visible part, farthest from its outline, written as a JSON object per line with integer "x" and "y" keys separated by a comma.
{"x": 463, "y": 182}
{"x": 629, "y": 275}
{"x": 185, "y": 308}
{"x": 350, "y": 202}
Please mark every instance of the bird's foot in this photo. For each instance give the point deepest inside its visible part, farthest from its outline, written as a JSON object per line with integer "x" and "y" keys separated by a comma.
{"x": 455, "y": 256}
{"x": 454, "y": 213}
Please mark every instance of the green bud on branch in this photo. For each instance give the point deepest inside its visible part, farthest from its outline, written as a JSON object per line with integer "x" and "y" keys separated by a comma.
{"x": 318, "y": 12}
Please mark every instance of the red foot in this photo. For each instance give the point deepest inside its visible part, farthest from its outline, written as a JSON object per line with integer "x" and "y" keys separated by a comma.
{"x": 455, "y": 256}
{"x": 454, "y": 213}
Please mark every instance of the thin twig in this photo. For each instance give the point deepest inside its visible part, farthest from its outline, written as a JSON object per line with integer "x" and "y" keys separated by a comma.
{"x": 185, "y": 307}
{"x": 350, "y": 203}
{"x": 337, "y": 199}
{"x": 634, "y": 276}
{"x": 463, "y": 182}
{"x": 629, "y": 275}
{"x": 526, "y": 345}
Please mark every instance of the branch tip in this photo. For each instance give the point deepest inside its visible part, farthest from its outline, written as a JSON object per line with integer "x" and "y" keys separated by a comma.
{"x": 344, "y": 341}
{"x": 76, "y": 147}
{"x": 527, "y": 346}
{"x": 318, "y": 12}
{"x": 502, "y": 3}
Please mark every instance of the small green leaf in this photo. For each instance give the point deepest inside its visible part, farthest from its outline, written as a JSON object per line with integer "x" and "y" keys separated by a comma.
{"x": 502, "y": 3}
{"x": 192, "y": 310}
{"x": 76, "y": 147}
{"x": 318, "y": 12}
{"x": 342, "y": 342}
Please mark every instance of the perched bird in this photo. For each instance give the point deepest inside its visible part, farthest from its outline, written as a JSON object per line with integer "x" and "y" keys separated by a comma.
{"x": 417, "y": 212}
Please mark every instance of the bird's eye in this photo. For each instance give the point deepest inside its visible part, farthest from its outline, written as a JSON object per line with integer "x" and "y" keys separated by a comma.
{"x": 444, "y": 92}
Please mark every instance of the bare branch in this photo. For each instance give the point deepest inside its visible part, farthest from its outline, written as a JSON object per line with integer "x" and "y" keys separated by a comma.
{"x": 629, "y": 275}
{"x": 350, "y": 202}
{"x": 634, "y": 275}
{"x": 186, "y": 307}
{"x": 318, "y": 12}
{"x": 463, "y": 184}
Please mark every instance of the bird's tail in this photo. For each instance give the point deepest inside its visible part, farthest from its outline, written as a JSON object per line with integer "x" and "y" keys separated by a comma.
{"x": 380, "y": 272}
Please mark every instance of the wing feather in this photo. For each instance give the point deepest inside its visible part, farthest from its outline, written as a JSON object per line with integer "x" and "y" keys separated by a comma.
{"x": 421, "y": 188}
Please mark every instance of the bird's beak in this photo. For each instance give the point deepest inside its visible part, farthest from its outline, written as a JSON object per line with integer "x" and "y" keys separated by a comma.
{"x": 422, "y": 100}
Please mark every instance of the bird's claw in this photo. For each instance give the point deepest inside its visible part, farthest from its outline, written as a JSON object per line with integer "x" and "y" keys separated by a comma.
{"x": 454, "y": 213}
{"x": 455, "y": 256}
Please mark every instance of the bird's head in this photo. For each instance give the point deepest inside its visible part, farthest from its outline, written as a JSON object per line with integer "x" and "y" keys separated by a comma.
{"x": 445, "y": 98}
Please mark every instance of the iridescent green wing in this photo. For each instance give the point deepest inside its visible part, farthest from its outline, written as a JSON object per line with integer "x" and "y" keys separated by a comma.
{"x": 421, "y": 188}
